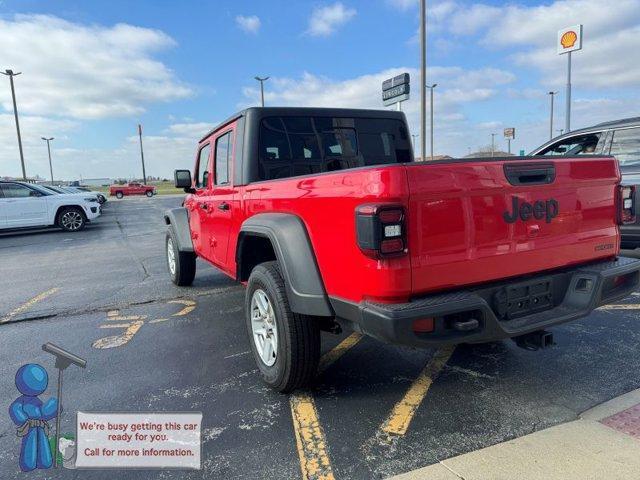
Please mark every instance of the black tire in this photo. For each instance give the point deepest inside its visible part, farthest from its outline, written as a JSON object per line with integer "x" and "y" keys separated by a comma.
{"x": 185, "y": 262}
{"x": 119, "y": 195}
{"x": 149, "y": 193}
{"x": 71, "y": 219}
{"x": 298, "y": 336}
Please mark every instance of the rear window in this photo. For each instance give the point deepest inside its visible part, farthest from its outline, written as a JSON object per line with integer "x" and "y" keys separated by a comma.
{"x": 292, "y": 146}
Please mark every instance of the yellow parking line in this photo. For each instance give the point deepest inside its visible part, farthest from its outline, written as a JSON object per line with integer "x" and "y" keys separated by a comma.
{"x": 336, "y": 352}
{"x": 29, "y": 304}
{"x": 118, "y": 340}
{"x": 190, "y": 307}
{"x": 623, "y": 306}
{"x": 400, "y": 418}
{"x": 310, "y": 440}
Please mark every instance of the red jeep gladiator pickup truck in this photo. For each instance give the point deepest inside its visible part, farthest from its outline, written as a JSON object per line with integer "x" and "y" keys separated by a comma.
{"x": 330, "y": 223}
{"x": 132, "y": 188}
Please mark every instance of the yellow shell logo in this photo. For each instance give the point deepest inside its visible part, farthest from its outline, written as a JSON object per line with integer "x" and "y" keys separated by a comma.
{"x": 568, "y": 39}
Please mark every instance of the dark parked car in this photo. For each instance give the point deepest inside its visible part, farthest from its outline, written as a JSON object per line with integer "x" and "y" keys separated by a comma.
{"x": 620, "y": 138}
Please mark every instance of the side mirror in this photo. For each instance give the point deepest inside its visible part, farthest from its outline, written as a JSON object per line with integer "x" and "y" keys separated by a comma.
{"x": 182, "y": 179}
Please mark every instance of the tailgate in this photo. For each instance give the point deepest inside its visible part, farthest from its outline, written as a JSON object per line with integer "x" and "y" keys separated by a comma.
{"x": 474, "y": 221}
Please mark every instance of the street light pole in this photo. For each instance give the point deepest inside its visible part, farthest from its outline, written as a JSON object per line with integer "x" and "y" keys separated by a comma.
{"x": 262, "y": 80}
{"x": 144, "y": 173}
{"x": 11, "y": 74}
{"x": 423, "y": 77}
{"x": 551, "y": 94}
{"x": 431, "y": 87}
{"x": 48, "y": 140}
{"x": 413, "y": 137}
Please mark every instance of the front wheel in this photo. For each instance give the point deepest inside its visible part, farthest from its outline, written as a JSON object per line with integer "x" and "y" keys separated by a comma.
{"x": 182, "y": 265}
{"x": 149, "y": 193}
{"x": 119, "y": 195}
{"x": 285, "y": 345}
{"x": 71, "y": 219}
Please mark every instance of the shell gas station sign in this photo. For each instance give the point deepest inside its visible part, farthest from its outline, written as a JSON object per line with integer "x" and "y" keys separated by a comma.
{"x": 569, "y": 39}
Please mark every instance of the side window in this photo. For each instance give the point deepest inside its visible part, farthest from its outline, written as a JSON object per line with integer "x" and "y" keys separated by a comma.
{"x": 202, "y": 171}
{"x": 579, "y": 145}
{"x": 604, "y": 144}
{"x": 13, "y": 190}
{"x": 223, "y": 156}
{"x": 626, "y": 146}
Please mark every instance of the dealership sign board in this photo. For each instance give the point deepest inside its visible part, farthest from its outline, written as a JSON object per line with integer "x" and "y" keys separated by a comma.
{"x": 510, "y": 133}
{"x": 569, "y": 39}
{"x": 395, "y": 89}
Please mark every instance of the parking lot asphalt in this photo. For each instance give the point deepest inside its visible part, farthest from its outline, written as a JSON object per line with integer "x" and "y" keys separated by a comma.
{"x": 379, "y": 410}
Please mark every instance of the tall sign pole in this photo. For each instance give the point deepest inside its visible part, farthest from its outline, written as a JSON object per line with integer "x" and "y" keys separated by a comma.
{"x": 423, "y": 78}
{"x": 144, "y": 173}
{"x": 569, "y": 40}
{"x": 48, "y": 140}
{"x": 11, "y": 74}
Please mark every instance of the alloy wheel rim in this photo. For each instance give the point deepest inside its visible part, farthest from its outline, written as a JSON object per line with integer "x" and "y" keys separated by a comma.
{"x": 264, "y": 328}
{"x": 71, "y": 220}
{"x": 171, "y": 257}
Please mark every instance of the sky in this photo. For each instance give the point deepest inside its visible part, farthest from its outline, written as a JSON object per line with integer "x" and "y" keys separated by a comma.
{"x": 92, "y": 71}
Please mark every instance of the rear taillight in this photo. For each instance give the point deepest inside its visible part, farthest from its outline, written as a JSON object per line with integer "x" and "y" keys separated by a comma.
{"x": 626, "y": 204}
{"x": 381, "y": 230}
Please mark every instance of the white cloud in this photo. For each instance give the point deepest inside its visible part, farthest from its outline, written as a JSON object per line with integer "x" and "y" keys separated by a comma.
{"x": 609, "y": 58}
{"x": 250, "y": 24}
{"x": 325, "y": 20}
{"x": 191, "y": 129}
{"x": 457, "y": 89}
{"x": 85, "y": 71}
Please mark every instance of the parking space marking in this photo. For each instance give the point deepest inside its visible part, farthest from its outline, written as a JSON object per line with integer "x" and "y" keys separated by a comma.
{"x": 622, "y": 306}
{"x": 190, "y": 306}
{"x": 400, "y": 418}
{"x": 118, "y": 340}
{"x": 29, "y": 304}
{"x": 310, "y": 439}
{"x": 338, "y": 351}
{"x": 134, "y": 324}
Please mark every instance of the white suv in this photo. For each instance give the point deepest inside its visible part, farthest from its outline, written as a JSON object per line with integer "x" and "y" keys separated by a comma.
{"x": 28, "y": 205}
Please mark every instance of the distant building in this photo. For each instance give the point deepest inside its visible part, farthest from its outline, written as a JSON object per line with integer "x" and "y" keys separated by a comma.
{"x": 96, "y": 182}
{"x": 484, "y": 153}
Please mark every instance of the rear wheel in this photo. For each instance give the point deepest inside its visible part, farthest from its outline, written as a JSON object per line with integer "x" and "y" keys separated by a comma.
{"x": 181, "y": 265}
{"x": 149, "y": 193}
{"x": 71, "y": 219}
{"x": 285, "y": 345}
{"x": 119, "y": 195}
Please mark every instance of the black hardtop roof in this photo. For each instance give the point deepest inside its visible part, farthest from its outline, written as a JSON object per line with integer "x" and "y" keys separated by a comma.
{"x": 307, "y": 111}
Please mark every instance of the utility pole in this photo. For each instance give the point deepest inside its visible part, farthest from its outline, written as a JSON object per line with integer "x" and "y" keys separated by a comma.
{"x": 11, "y": 74}
{"x": 431, "y": 87}
{"x": 262, "y": 80}
{"x": 48, "y": 140}
{"x": 144, "y": 173}
{"x": 493, "y": 144}
{"x": 551, "y": 94}
{"x": 423, "y": 77}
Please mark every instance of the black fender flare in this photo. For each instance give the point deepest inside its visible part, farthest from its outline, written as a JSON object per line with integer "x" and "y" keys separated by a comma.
{"x": 178, "y": 220}
{"x": 294, "y": 252}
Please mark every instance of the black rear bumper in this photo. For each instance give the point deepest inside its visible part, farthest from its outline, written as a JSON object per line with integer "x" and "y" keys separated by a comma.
{"x": 542, "y": 301}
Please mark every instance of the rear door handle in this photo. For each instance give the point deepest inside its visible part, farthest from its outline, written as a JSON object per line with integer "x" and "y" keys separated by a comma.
{"x": 224, "y": 206}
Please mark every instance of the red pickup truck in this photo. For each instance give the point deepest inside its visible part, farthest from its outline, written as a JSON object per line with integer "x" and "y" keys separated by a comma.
{"x": 132, "y": 188}
{"x": 326, "y": 218}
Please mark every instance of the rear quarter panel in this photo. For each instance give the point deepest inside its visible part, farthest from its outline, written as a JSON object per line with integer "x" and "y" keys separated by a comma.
{"x": 326, "y": 204}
